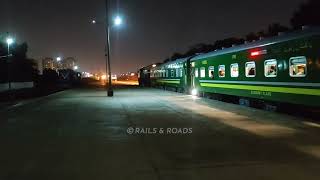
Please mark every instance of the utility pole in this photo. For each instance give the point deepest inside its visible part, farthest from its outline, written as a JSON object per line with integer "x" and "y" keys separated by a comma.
{"x": 108, "y": 64}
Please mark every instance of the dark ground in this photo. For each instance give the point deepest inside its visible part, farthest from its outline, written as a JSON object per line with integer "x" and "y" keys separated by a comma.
{"x": 82, "y": 134}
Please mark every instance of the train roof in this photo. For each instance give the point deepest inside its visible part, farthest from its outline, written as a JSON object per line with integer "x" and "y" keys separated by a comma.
{"x": 149, "y": 66}
{"x": 180, "y": 60}
{"x": 264, "y": 42}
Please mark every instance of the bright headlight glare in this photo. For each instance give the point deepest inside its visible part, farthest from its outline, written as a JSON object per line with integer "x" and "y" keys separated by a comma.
{"x": 194, "y": 92}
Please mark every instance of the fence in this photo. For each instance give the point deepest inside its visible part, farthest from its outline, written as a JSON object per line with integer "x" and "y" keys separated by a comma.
{"x": 16, "y": 85}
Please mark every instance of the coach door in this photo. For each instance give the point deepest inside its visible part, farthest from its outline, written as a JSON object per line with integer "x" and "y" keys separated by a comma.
{"x": 192, "y": 76}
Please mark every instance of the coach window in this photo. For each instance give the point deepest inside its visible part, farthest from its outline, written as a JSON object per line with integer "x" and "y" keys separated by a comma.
{"x": 234, "y": 70}
{"x": 211, "y": 72}
{"x": 270, "y": 68}
{"x": 202, "y": 72}
{"x": 222, "y": 71}
{"x": 250, "y": 69}
{"x": 172, "y": 73}
{"x": 196, "y": 73}
{"x": 298, "y": 66}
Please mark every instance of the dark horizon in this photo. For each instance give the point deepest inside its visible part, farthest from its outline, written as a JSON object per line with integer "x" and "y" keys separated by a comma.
{"x": 152, "y": 32}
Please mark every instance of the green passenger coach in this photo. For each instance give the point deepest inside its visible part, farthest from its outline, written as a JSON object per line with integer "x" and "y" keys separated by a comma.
{"x": 285, "y": 69}
{"x": 172, "y": 75}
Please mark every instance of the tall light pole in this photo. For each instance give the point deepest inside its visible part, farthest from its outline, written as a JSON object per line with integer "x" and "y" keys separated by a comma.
{"x": 117, "y": 22}
{"x": 9, "y": 41}
{"x": 108, "y": 68}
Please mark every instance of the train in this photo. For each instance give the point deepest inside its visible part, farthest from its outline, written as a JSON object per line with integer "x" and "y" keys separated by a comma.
{"x": 279, "y": 69}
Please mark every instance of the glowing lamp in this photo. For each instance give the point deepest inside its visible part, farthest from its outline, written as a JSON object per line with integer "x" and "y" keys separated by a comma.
{"x": 118, "y": 21}
{"x": 9, "y": 41}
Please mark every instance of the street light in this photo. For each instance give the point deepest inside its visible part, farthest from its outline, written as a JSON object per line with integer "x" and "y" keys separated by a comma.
{"x": 75, "y": 67}
{"x": 116, "y": 22}
{"x": 9, "y": 41}
{"x": 58, "y": 59}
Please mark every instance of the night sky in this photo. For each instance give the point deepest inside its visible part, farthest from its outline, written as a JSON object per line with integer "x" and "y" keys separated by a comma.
{"x": 153, "y": 29}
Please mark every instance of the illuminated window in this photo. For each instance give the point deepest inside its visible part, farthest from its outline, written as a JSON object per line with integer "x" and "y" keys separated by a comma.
{"x": 298, "y": 66}
{"x": 163, "y": 73}
{"x": 211, "y": 72}
{"x": 250, "y": 69}
{"x": 270, "y": 68}
{"x": 181, "y": 72}
{"x": 234, "y": 70}
{"x": 222, "y": 71}
{"x": 202, "y": 72}
{"x": 196, "y": 72}
{"x": 172, "y": 73}
{"x": 167, "y": 73}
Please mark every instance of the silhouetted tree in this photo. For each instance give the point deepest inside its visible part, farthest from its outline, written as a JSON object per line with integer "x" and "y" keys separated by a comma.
{"x": 49, "y": 76}
{"x": 225, "y": 43}
{"x": 199, "y": 48}
{"x": 307, "y": 14}
{"x": 261, "y": 34}
{"x": 252, "y": 37}
{"x": 21, "y": 68}
{"x": 177, "y": 55}
{"x": 275, "y": 28}
{"x": 166, "y": 60}
{"x": 67, "y": 75}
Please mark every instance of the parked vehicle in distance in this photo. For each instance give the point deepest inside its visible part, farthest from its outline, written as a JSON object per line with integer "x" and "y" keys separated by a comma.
{"x": 114, "y": 77}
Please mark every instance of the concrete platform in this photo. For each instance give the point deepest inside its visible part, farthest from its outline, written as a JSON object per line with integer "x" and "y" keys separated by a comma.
{"x": 83, "y": 134}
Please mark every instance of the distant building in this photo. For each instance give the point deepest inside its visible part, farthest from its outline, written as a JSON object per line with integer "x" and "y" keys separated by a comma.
{"x": 63, "y": 64}
{"x": 68, "y": 63}
{"x": 49, "y": 63}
